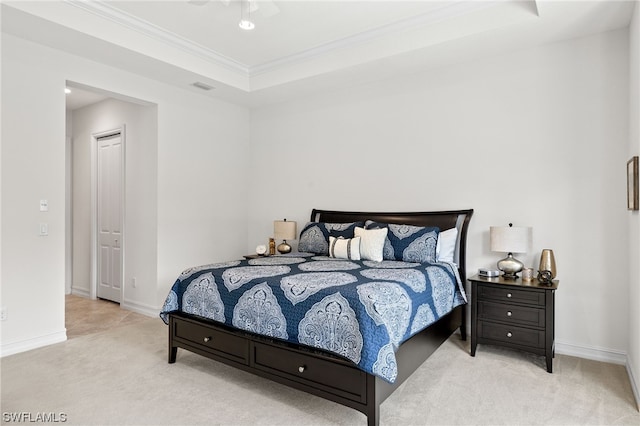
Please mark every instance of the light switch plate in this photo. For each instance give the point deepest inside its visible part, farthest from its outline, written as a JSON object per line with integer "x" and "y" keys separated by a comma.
{"x": 44, "y": 205}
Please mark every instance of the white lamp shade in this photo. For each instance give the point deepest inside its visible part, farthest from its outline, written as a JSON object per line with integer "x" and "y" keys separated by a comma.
{"x": 511, "y": 239}
{"x": 284, "y": 230}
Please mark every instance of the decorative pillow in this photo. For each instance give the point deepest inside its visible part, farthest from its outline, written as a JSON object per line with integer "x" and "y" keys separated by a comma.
{"x": 446, "y": 247}
{"x": 314, "y": 237}
{"x": 408, "y": 243}
{"x": 371, "y": 243}
{"x": 344, "y": 248}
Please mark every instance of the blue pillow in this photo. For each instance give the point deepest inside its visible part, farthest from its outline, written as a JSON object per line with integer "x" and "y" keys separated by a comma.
{"x": 314, "y": 237}
{"x": 409, "y": 243}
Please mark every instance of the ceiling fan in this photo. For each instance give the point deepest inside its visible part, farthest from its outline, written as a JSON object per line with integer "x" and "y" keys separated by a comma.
{"x": 266, "y": 8}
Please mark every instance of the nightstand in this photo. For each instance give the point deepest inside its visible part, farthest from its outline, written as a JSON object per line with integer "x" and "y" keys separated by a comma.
{"x": 513, "y": 313}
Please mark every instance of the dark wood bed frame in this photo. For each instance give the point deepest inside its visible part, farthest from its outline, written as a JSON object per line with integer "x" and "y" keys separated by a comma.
{"x": 315, "y": 371}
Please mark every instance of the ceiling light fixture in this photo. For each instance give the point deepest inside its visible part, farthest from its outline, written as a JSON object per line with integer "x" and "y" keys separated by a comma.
{"x": 245, "y": 18}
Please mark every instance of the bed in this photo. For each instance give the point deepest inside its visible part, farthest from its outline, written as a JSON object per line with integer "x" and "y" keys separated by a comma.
{"x": 346, "y": 329}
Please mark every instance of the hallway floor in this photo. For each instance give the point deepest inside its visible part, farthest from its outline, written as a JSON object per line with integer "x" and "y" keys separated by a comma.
{"x": 85, "y": 316}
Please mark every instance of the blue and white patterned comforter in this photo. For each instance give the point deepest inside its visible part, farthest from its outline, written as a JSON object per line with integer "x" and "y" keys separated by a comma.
{"x": 361, "y": 310}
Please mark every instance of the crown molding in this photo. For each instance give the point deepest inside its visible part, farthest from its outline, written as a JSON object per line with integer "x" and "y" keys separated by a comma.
{"x": 449, "y": 11}
{"x": 106, "y": 11}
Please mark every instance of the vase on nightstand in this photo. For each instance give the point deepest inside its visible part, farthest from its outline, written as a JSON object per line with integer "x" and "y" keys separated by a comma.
{"x": 548, "y": 262}
{"x": 272, "y": 246}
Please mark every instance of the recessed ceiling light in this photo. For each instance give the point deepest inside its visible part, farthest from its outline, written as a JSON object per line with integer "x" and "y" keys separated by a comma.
{"x": 67, "y": 90}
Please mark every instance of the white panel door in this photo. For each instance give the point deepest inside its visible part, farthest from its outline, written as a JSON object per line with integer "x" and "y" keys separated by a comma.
{"x": 109, "y": 221}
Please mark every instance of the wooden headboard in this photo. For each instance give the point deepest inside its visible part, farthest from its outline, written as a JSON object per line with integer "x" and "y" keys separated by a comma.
{"x": 442, "y": 219}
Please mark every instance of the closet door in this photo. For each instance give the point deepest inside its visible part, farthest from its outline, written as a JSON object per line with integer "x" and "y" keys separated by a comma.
{"x": 109, "y": 220}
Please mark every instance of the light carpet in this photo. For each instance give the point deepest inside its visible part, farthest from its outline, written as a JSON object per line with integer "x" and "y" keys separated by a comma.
{"x": 121, "y": 377}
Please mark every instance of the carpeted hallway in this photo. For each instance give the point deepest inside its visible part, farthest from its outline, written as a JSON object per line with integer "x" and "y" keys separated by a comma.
{"x": 120, "y": 376}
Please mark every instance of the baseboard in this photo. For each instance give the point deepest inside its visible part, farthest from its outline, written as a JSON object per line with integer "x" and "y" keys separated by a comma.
{"x": 634, "y": 384}
{"x": 29, "y": 344}
{"x": 595, "y": 354}
{"x": 140, "y": 308}
{"x": 80, "y": 292}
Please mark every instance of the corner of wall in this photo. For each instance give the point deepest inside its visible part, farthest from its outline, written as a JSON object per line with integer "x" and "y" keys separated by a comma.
{"x": 633, "y": 357}
{"x": 634, "y": 382}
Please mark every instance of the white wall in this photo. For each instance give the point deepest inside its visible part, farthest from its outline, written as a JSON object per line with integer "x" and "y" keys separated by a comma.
{"x": 536, "y": 137}
{"x": 33, "y": 168}
{"x": 141, "y": 181}
{"x": 201, "y": 181}
{"x": 634, "y": 217}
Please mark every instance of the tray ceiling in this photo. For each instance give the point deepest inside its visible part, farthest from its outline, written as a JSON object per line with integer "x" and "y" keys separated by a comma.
{"x": 303, "y": 46}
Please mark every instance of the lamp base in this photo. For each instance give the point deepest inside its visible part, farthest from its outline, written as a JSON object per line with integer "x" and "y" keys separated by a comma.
{"x": 510, "y": 267}
{"x": 284, "y": 248}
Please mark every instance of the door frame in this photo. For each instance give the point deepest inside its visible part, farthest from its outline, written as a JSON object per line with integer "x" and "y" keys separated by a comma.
{"x": 68, "y": 219}
{"x": 94, "y": 208}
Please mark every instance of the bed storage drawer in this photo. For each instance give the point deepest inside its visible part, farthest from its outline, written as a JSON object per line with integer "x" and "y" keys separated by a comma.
{"x": 310, "y": 370}
{"x": 210, "y": 339}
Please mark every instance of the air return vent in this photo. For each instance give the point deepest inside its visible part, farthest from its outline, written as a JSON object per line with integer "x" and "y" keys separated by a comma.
{"x": 202, "y": 86}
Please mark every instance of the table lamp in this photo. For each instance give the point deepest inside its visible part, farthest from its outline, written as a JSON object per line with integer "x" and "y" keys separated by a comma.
{"x": 284, "y": 230}
{"x": 510, "y": 239}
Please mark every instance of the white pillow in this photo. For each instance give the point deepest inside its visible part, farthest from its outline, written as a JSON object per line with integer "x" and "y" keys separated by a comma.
{"x": 371, "y": 242}
{"x": 344, "y": 248}
{"x": 446, "y": 246}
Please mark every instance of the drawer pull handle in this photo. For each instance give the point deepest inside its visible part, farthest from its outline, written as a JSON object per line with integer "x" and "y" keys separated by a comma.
{"x": 509, "y": 313}
{"x": 509, "y": 295}
{"x": 207, "y": 339}
{"x": 509, "y": 334}
{"x": 302, "y": 368}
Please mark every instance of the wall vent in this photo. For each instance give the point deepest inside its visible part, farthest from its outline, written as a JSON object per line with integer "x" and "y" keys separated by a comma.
{"x": 202, "y": 86}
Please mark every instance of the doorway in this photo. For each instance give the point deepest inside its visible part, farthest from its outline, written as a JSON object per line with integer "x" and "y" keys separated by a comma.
{"x": 113, "y": 209}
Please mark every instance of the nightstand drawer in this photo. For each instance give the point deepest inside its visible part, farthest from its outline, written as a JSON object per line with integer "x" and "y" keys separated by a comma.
{"x": 511, "y": 314}
{"x": 511, "y": 334}
{"x": 505, "y": 293}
